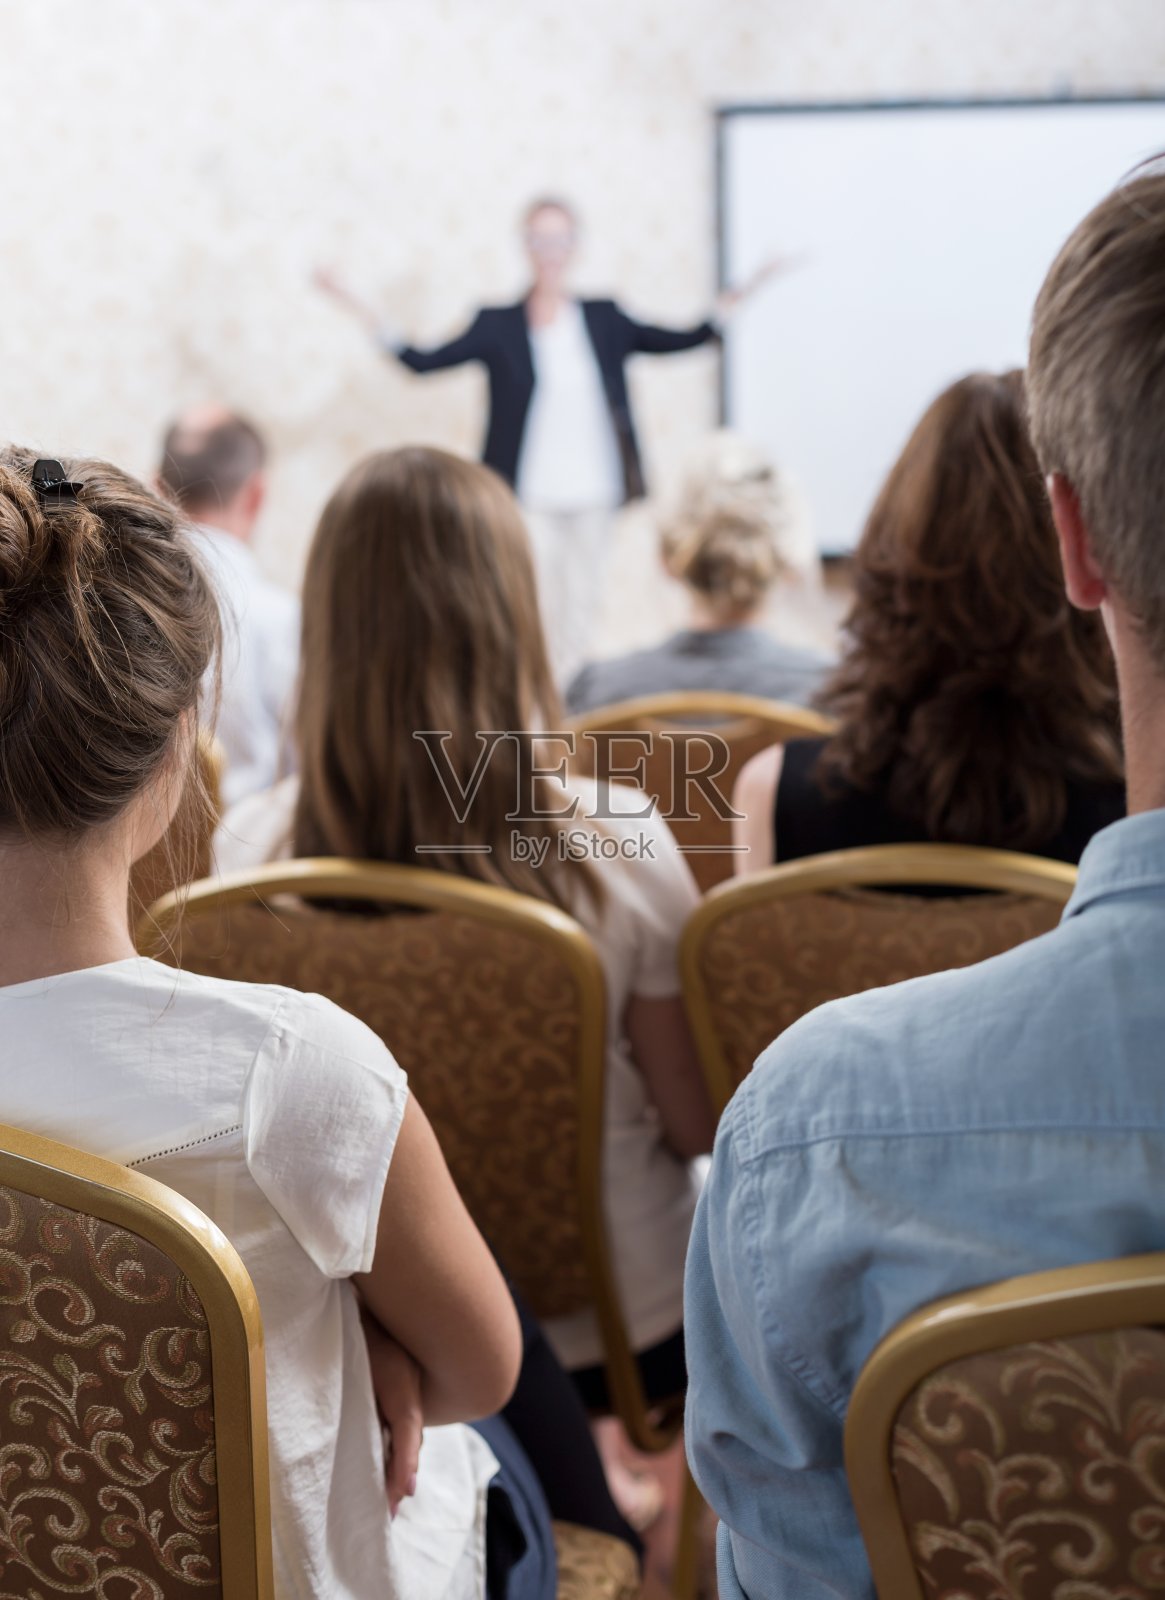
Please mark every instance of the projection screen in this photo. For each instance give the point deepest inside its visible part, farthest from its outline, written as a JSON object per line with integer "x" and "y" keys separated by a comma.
{"x": 923, "y": 231}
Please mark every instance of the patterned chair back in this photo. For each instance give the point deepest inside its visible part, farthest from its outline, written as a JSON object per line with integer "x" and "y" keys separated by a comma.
{"x": 183, "y": 854}
{"x": 681, "y": 727}
{"x": 132, "y": 1407}
{"x": 761, "y": 952}
{"x": 1007, "y": 1444}
{"x": 491, "y": 1001}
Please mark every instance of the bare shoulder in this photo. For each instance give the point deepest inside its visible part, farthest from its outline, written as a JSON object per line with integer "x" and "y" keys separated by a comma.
{"x": 759, "y": 777}
{"x": 754, "y": 800}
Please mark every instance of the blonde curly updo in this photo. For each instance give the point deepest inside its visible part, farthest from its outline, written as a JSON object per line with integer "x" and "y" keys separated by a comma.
{"x": 725, "y": 537}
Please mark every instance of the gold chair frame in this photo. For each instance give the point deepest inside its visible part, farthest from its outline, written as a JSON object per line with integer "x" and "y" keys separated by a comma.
{"x": 1068, "y": 1302}
{"x": 953, "y": 866}
{"x": 675, "y": 713}
{"x": 63, "y": 1176}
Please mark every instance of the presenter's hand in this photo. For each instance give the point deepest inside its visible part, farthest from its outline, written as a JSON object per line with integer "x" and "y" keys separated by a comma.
{"x": 331, "y": 284}
{"x": 730, "y": 300}
{"x": 327, "y": 279}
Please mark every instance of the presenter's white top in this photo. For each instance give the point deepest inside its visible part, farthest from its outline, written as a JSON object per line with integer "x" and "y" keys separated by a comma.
{"x": 570, "y": 456}
{"x": 260, "y": 659}
{"x": 276, "y": 1114}
{"x": 648, "y": 895}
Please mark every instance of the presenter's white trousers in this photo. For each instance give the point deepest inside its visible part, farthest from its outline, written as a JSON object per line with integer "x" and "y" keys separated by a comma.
{"x": 572, "y": 557}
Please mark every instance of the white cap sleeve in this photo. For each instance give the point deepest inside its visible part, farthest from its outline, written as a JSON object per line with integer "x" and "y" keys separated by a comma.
{"x": 322, "y": 1109}
{"x": 668, "y": 896}
{"x": 648, "y": 892}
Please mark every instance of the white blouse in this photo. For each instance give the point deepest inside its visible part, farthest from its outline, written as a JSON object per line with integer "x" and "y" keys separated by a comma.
{"x": 570, "y": 458}
{"x": 276, "y": 1114}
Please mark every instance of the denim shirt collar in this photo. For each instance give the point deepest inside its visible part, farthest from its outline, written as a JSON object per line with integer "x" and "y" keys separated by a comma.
{"x": 1126, "y": 856}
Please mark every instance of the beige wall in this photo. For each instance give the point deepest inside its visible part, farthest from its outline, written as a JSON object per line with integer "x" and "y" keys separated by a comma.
{"x": 172, "y": 168}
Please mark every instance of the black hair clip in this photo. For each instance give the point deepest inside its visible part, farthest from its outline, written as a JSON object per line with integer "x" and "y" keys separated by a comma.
{"x": 53, "y": 488}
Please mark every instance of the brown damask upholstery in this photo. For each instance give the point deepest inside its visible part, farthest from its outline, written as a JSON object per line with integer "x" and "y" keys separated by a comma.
{"x": 107, "y": 1463}
{"x": 594, "y": 1566}
{"x": 766, "y": 964}
{"x": 485, "y": 1020}
{"x": 1037, "y": 1472}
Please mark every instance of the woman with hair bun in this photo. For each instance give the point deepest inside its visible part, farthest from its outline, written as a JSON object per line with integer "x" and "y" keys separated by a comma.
{"x": 281, "y": 1117}
{"x": 730, "y": 539}
{"x": 974, "y": 704}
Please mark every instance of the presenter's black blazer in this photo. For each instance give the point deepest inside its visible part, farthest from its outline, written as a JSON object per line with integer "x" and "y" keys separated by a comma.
{"x": 499, "y": 338}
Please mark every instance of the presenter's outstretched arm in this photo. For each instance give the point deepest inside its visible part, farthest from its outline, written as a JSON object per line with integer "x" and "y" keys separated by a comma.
{"x": 648, "y": 339}
{"x": 730, "y": 300}
{"x": 342, "y": 293}
{"x": 466, "y": 346}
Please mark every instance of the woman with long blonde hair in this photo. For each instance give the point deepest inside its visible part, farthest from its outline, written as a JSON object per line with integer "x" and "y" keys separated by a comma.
{"x": 421, "y": 619}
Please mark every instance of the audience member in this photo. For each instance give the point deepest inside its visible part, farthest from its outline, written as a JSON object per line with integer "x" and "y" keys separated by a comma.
{"x": 280, "y": 1116}
{"x": 421, "y": 613}
{"x": 974, "y": 704}
{"x": 213, "y": 468}
{"x": 729, "y": 540}
{"x": 918, "y": 1140}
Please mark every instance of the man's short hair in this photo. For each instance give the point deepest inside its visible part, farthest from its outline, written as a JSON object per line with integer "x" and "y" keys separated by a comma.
{"x": 206, "y": 465}
{"x": 1096, "y": 388}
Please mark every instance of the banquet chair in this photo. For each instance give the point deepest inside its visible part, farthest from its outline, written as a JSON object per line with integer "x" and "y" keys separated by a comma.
{"x": 689, "y": 732}
{"x": 124, "y": 1291}
{"x": 760, "y": 952}
{"x": 494, "y": 1003}
{"x": 1007, "y": 1441}
{"x": 132, "y": 1400}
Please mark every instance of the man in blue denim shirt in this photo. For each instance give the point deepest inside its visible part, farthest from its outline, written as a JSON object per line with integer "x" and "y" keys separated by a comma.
{"x": 914, "y": 1141}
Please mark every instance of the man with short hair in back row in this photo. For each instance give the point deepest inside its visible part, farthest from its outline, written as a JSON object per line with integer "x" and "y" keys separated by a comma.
{"x": 918, "y": 1140}
{"x": 213, "y": 466}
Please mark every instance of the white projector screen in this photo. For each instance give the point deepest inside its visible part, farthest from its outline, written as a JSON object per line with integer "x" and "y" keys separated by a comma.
{"x": 925, "y": 231}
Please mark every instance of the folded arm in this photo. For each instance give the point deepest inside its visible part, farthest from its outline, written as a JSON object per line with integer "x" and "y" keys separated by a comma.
{"x": 435, "y": 1287}
{"x": 467, "y": 346}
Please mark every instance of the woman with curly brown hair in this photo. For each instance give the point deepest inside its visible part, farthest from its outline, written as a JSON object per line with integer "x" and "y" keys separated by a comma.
{"x": 974, "y": 705}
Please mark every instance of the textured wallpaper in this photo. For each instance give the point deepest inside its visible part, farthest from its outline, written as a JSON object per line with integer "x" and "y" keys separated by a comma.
{"x": 173, "y": 168}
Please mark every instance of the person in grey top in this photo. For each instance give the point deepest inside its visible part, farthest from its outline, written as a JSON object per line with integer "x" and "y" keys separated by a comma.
{"x": 728, "y": 541}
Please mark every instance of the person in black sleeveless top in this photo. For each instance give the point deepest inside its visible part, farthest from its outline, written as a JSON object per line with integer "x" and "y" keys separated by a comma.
{"x": 974, "y": 705}
{"x": 810, "y": 820}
